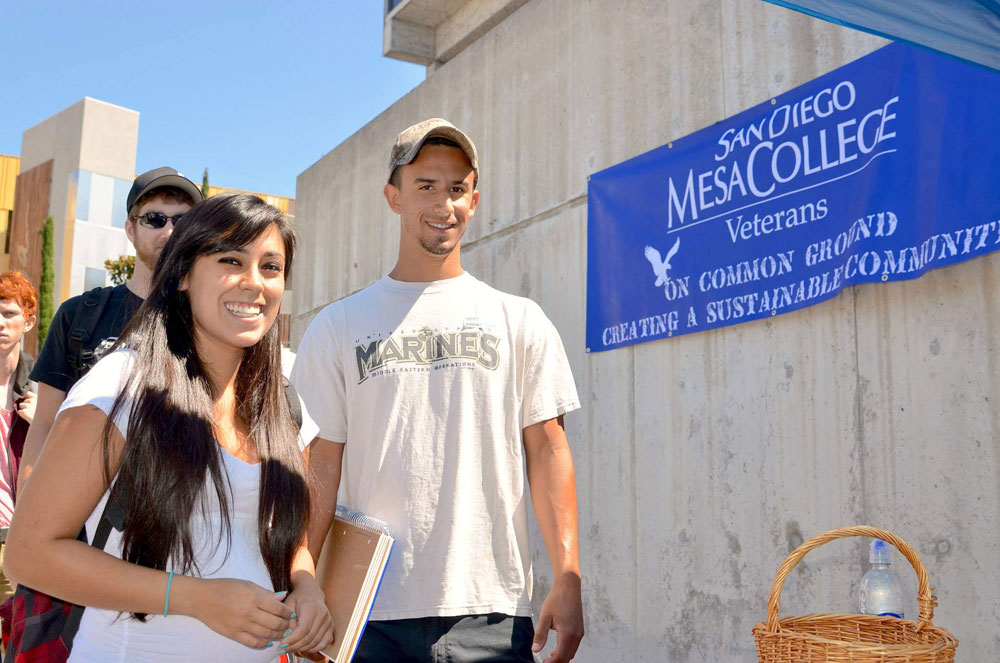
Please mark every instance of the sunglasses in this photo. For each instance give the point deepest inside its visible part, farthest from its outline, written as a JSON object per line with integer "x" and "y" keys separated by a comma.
{"x": 157, "y": 220}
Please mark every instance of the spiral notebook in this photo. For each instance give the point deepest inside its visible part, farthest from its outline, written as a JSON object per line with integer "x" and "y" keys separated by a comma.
{"x": 349, "y": 570}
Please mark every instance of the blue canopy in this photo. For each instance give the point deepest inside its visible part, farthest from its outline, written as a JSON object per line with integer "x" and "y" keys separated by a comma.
{"x": 966, "y": 29}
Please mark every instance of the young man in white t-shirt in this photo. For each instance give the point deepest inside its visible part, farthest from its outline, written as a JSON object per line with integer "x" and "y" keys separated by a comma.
{"x": 433, "y": 391}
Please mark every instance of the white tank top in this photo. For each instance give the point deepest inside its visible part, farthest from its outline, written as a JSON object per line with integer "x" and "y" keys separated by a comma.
{"x": 107, "y": 636}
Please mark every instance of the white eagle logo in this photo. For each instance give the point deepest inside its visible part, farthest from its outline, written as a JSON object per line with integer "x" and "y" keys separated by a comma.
{"x": 660, "y": 267}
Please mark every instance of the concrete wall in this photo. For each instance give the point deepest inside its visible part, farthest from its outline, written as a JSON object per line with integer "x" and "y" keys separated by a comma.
{"x": 701, "y": 460}
{"x": 109, "y": 139}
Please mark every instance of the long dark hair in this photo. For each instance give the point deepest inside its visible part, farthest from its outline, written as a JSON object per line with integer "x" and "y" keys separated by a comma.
{"x": 170, "y": 445}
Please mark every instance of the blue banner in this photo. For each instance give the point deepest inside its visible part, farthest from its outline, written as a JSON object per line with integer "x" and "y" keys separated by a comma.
{"x": 878, "y": 171}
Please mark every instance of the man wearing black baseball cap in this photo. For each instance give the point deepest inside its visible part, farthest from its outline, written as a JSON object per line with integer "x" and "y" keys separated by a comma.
{"x": 86, "y": 326}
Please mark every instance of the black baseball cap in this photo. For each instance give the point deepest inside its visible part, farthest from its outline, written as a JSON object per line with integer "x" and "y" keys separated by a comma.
{"x": 158, "y": 178}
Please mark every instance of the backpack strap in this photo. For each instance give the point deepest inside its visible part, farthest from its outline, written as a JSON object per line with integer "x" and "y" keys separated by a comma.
{"x": 294, "y": 405}
{"x": 88, "y": 315}
{"x": 113, "y": 517}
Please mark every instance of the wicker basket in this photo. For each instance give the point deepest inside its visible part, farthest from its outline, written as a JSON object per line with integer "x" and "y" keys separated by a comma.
{"x": 853, "y": 638}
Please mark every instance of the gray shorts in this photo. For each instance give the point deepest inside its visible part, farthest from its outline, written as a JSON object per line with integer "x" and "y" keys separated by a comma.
{"x": 493, "y": 638}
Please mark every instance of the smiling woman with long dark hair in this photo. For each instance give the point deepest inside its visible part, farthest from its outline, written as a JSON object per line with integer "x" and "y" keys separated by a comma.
{"x": 186, "y": 428}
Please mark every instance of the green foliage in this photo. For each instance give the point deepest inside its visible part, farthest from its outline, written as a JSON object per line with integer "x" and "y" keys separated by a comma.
{"x": 204, "y": 183}
{"x": 46, "y": 304}
{"x": 120, "y": 269}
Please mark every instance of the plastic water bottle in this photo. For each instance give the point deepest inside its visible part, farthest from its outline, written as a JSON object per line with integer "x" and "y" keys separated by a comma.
{"x": 880, "y": 593}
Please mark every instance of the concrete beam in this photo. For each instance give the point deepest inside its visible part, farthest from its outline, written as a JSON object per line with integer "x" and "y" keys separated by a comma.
{"x": 407, "y": 41}
{"x": 425, "y": 12}
{"x": 469, "y": 23}
{"x": 431, "y": 32}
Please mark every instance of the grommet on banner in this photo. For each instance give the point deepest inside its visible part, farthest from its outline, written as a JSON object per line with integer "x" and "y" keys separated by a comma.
{"x": 669, "y": 334}
{"x": 885, "y": 277}
{"x": 670, "y": 146}
{"x": 588, "y": 349}
{"x": 774, "y": 101}
{"x": 774, "y": 311}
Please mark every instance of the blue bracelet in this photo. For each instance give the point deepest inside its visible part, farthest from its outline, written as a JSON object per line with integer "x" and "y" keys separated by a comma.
{"x": 166, "y": 599}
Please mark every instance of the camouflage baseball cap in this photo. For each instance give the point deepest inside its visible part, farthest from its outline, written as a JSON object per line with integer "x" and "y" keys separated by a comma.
{"x": 409, "y": 141}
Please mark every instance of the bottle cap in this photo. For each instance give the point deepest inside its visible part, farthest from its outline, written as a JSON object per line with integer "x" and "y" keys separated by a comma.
{"x": 879, "y": 552}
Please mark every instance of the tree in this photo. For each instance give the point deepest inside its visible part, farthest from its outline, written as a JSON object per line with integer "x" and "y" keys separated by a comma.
{"x": 204, "y": 184}
{"x": 46, "y": 305}
{"x": 120, "y": 269}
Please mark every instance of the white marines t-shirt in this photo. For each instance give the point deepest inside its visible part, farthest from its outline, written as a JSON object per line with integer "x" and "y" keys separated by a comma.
{"x": 430, "y": 385}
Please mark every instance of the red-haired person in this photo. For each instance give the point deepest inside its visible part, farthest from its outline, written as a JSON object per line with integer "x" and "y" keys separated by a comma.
{"x": 18, "y": 303}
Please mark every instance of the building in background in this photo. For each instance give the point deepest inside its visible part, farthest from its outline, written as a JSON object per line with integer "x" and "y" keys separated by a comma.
{"x": 284, "y": 203}
{"x": 10, "y": 166}
{"x": 77, "y": 166}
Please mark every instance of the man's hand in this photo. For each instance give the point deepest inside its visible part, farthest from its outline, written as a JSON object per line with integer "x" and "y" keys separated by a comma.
{"x": 26, "y": 406}
{"x": 553, "y": 493}
{"x": 562, "y": 612}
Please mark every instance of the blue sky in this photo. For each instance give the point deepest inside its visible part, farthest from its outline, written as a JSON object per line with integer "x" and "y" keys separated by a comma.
{"x": 256, "y": 91}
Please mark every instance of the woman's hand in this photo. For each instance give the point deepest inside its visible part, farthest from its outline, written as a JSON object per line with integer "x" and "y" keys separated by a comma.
{"x": 313, "y": 625}
{"x": 237, "y": 609}
{"x": 25, "y": 406}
